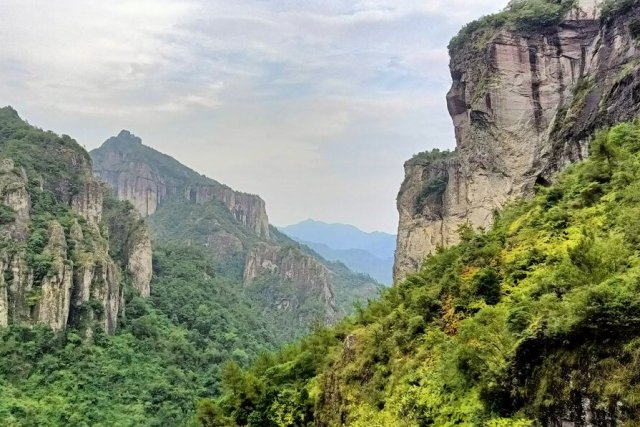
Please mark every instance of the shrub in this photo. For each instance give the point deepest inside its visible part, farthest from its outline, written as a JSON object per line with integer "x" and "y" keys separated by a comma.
{"x": 432, "y": 189}
{"x": 610, "y": 8}
{"x": 7, "y": 215}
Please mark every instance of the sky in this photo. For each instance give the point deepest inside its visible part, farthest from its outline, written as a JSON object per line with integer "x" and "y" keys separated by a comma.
{"x": 313, "y": 105}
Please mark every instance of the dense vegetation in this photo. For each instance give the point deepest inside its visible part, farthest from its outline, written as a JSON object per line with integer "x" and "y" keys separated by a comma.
{"x": 167, "y": 354}
{"x": 169, "y": 349}
{"x": 523, "y": 15}
{"x": 534, "y": 321}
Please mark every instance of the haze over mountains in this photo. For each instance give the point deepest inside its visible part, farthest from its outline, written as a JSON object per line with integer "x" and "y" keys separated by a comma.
{"x": 369, "y": 253}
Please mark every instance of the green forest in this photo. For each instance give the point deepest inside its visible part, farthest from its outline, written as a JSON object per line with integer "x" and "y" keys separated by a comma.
{"x": 167, "y": 353}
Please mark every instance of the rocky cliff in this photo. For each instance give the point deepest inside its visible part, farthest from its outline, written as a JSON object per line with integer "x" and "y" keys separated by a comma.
{"x": 309, "y": 279}
{"x": 55, "y": 249}
{"x": 524, "y": 103}
{"x": 146, "y": 178}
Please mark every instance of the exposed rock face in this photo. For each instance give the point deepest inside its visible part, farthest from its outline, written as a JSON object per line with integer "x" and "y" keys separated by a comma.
{"x": 72, "y": 277}
{"x": 310, "y": 279}
{"x": 88, "y": 202}
{"x": 523, "y": 107}
{"x": 425, "y": 224}
{"x": 224, "y": 244}
{"x": 145, "y": 178}
{"x": 56, "y": 265}
{"x": 52, "y": 307}
{"x": 139, "y": 262}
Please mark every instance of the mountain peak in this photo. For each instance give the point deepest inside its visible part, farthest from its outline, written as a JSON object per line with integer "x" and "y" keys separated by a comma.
{"x": 127, "y": 136}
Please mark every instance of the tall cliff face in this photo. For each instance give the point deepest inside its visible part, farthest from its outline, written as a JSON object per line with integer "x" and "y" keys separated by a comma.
{"x": 146, "y": 178}
{"x": 523, "y": 104}
{"x": 56, "y": 266}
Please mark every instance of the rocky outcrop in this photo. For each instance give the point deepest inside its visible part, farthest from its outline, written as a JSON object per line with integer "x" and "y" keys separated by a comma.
{"x": 53, "y": 301}
{"x": 431, "y": 184}
{"x": 224, "y": 244}
{"x": 56, "y": 263}
{"x": 524, "y": 105}
{"x": 310, "y": 280}
{"x": 146, "y": 178}
{"x": 139, "y": 261}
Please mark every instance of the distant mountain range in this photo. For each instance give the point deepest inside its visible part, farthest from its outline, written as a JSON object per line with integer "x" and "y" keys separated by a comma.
{"x": 370, "y": 253}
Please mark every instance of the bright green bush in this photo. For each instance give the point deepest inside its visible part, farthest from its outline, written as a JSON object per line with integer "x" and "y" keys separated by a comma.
{"x": 522, "y": 15}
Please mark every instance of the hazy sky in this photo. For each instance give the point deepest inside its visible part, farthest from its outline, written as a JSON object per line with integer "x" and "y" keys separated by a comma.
{"x": 314, "y": 105}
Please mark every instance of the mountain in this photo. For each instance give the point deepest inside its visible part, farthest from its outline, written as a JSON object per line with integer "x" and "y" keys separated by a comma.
{"x": 124, "y": 312}
{"x": 294, "y": 285}
{"x": 343, "y": 236}
{"x": 517, "y": 300}
{"x": 530, "y": 86}
{"x": 357, "y": 260}
{"x": 368, "y": 253}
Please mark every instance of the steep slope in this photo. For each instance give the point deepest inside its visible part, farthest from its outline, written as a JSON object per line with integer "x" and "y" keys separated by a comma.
{"x": 534, "y": 322}
{"x": 90, "y": 333}
{"x": 294, "y": 286}
{"x": 62, "y": 260}
{"x": 530, "y": 85}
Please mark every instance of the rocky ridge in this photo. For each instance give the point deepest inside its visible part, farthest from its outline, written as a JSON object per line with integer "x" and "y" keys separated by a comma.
{"x": 524, "y": 105}
{"x": 122, "y": 162}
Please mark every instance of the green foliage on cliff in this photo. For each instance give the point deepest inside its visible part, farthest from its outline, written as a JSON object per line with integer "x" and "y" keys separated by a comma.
{"x": 167, "y": 354}
{"x": 428, "y": 157}
{"x": 523, "y": 15}
{"x": 54, "y": 161}
{"x": 432, "y": 190}
{"x": 519, "y": 325}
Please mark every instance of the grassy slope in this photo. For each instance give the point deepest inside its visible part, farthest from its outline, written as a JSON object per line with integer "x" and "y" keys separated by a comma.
{"x": 517, "y": 324}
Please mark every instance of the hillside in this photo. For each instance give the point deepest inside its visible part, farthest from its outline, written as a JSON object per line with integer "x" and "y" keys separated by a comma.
{"x": 292, "y": 286}
{"x": 533, "y": 322}
{"x": 368, "y": 253}
{"x": 95, "y": 331}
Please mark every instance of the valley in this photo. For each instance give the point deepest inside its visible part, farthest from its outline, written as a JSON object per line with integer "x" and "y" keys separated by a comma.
{"x": 138, "y": 291}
